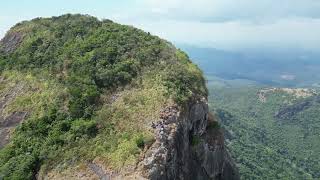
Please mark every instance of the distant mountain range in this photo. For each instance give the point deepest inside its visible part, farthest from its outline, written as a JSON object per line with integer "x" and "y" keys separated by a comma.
{"x": 292, "y": 68}
{"x": 272, "y": 132}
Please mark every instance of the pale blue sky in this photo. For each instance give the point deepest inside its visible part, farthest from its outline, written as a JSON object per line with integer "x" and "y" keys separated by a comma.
{"x": 224, "y": 24}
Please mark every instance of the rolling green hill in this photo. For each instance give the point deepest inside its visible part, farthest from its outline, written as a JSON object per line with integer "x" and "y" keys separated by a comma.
{"x": 273, "y": 133}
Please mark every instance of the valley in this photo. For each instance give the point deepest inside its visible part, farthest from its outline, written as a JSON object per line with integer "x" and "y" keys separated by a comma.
{"x": 268, "y": 104}
{"x": 273, "y": 133}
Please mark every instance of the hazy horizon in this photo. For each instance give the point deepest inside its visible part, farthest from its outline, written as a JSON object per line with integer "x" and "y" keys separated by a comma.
{"x": 222, "y": 24}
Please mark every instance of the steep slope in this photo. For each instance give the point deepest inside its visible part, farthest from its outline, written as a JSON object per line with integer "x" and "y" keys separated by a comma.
{"x": 96, "y": 100}
{"x": 273, "y": 132}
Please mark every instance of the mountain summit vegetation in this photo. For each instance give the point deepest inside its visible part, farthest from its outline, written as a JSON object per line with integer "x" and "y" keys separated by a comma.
{"x": 81, "y": 89}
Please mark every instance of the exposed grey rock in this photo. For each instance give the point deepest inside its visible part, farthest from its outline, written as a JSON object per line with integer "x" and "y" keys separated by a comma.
{"x": 288, "y": 112}
{"x": 173, "y": 156}
{"x": 10, "y": 42}
{"x": 9, "y": 121}
{"x": 99, "y": 171}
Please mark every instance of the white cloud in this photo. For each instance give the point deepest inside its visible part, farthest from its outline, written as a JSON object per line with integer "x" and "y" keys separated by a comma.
{"x": 231, "y": 23}
{"x": 298, "y": 33}
{"x": 225, "y": 10}
{"x": 218, "y": 23}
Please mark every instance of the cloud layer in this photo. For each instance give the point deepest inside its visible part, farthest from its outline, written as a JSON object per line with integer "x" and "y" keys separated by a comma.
{"x": 231, "y": 10}
{"x": 231, "y": 24}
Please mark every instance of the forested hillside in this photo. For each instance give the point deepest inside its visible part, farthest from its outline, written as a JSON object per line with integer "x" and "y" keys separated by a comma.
{"x": 83, "y": 90}
{"x": 273, "y": 133}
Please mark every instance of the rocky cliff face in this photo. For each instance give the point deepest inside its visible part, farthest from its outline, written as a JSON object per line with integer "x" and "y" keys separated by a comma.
{"x": 186, "y": 147}
{"x": 189, "y": 145}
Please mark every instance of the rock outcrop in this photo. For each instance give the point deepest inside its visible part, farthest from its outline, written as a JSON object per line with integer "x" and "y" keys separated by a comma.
{"x": 187, "y": 148}
{"x": 10, "y": 42}
{"x": 288, "y": 112}
{"x": 9, "y": 121}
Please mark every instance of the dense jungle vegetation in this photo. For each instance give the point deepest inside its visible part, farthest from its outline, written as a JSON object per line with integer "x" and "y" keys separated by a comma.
{"x": 272, "y": 138}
